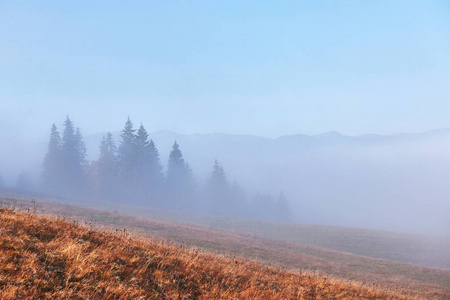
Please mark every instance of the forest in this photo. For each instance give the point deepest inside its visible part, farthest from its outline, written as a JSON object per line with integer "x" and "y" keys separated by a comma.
{"x": 131, "y": 173}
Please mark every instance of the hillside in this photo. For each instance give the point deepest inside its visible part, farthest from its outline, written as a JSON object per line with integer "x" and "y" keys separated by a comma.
{"x": 51, "y": 258}
{"x": 422, "y": 250}
{"x": 402, "y": 278}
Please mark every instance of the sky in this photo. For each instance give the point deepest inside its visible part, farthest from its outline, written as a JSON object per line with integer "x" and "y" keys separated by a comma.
{"x": 267, "y": 68}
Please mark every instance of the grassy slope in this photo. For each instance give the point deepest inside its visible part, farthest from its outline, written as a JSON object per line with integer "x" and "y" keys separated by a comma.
{"x": 401, "y": 277}
{"x": 51, "y": 258}
{"x": 398, "y": 247}
{"x": 414, "y": 249}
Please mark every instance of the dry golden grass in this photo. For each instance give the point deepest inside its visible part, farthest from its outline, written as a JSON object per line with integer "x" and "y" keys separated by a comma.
{"x": 51, "y": 258}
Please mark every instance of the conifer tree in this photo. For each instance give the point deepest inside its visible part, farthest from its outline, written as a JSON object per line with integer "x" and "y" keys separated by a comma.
{"x": 140, "y": 169}
{"x": 52, "y": 166}
{"x": 73, "y": 152}
{"x": 155, "y": 167}
{"x": 69, "y": 154}
{"x": 126, "y": 154}
{"x": 179, "y": 180}
{"x": 217, "y": 191}
{"x": 108, "y": 151}
{"x": 218, "y": 177}
{"x": 80, "y": 148}
{"x": 149, "y": 176}
{"x": 107, "y": 168}
{"x": 176, "y": 168}
{"x": 142, "y": 154}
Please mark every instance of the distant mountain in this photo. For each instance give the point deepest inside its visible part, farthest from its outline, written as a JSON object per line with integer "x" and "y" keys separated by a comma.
{"x": 165, "y": 138}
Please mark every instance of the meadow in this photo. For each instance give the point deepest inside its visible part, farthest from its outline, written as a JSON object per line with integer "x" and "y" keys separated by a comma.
{"x": 384, "y": 279}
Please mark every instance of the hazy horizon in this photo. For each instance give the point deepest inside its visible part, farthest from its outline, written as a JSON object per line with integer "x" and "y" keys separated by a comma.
{"x": 266, "y": 69}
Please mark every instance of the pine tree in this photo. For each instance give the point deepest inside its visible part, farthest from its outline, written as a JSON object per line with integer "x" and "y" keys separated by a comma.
{"x": 155, "y": 167}
{"x": 140, "y": 169}
{"x": 81, "y": 162}
{"x": 179, "y": 180}
{"x": 69, "y": 156}
{"x": 218, "y": 192}
{"x": 176, "y": 167}
{"x": 142, "y": 154}
{"x": 73, "y": 152}
{"x": 108, "y": 152}
{"x": 218, "y": 177}
{"x": 80, "y": 148}
{"x": 52, "y": 166}
{"x": 107, "y": 169}
{"x": 149, "y": 176}
{"x": 127, "y": 153}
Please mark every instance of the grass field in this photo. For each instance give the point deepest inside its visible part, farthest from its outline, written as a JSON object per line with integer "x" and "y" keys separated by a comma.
{"x": 277, "y": 251}
{"x": 414, "y": 249}
{"x": 45, "y": 257}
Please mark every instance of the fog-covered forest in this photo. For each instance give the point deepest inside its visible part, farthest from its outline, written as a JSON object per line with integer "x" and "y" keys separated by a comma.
{"x": 341, "y": 110}
{"x": 397, "y": 182}
{"x": 131, "y": 173}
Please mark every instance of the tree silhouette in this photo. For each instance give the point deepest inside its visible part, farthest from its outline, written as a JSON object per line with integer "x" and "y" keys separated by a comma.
{"x": 127, "y": 160}
{"x": 180, "y": 187}
{"x": 107, "y": 169}
{"x": 52, "y": 166}
{"x": 218, "y": 192}
{"x": 149, "y": 175}
{"x": 73, "y": 152}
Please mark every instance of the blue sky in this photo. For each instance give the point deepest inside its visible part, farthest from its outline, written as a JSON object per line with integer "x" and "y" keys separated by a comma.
{"x": 267, "y": 68}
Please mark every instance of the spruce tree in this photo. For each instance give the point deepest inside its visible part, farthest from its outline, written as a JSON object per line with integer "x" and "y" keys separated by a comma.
{"x": 126, "y": 152}
{"x": 176, "y": 168}
{"x": 149, "y": 175}
{"x": 142, "y": 154}
{"x": 179, "y": 180}
{"x": 73, "y": 152}
{"x": 107, "y": 169}
{"x": 217, "y": 191}
{"x": 218, "y": 177}
{"x": 155, "y": 167}
{"x": 52, "y": 166}
{"x": 69, "y": 155}
{"x": 127, "y": 159}
{"x": 81, "y": 161}
{"x": 80, "y": 148}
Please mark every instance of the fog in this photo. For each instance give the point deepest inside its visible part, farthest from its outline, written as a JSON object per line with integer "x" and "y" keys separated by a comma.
{"x": 397, "y": 182}
{"x": 286, "y": 96}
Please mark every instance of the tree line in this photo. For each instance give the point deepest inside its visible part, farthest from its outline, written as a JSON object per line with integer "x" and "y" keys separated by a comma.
{"x": 131, "y": 173}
